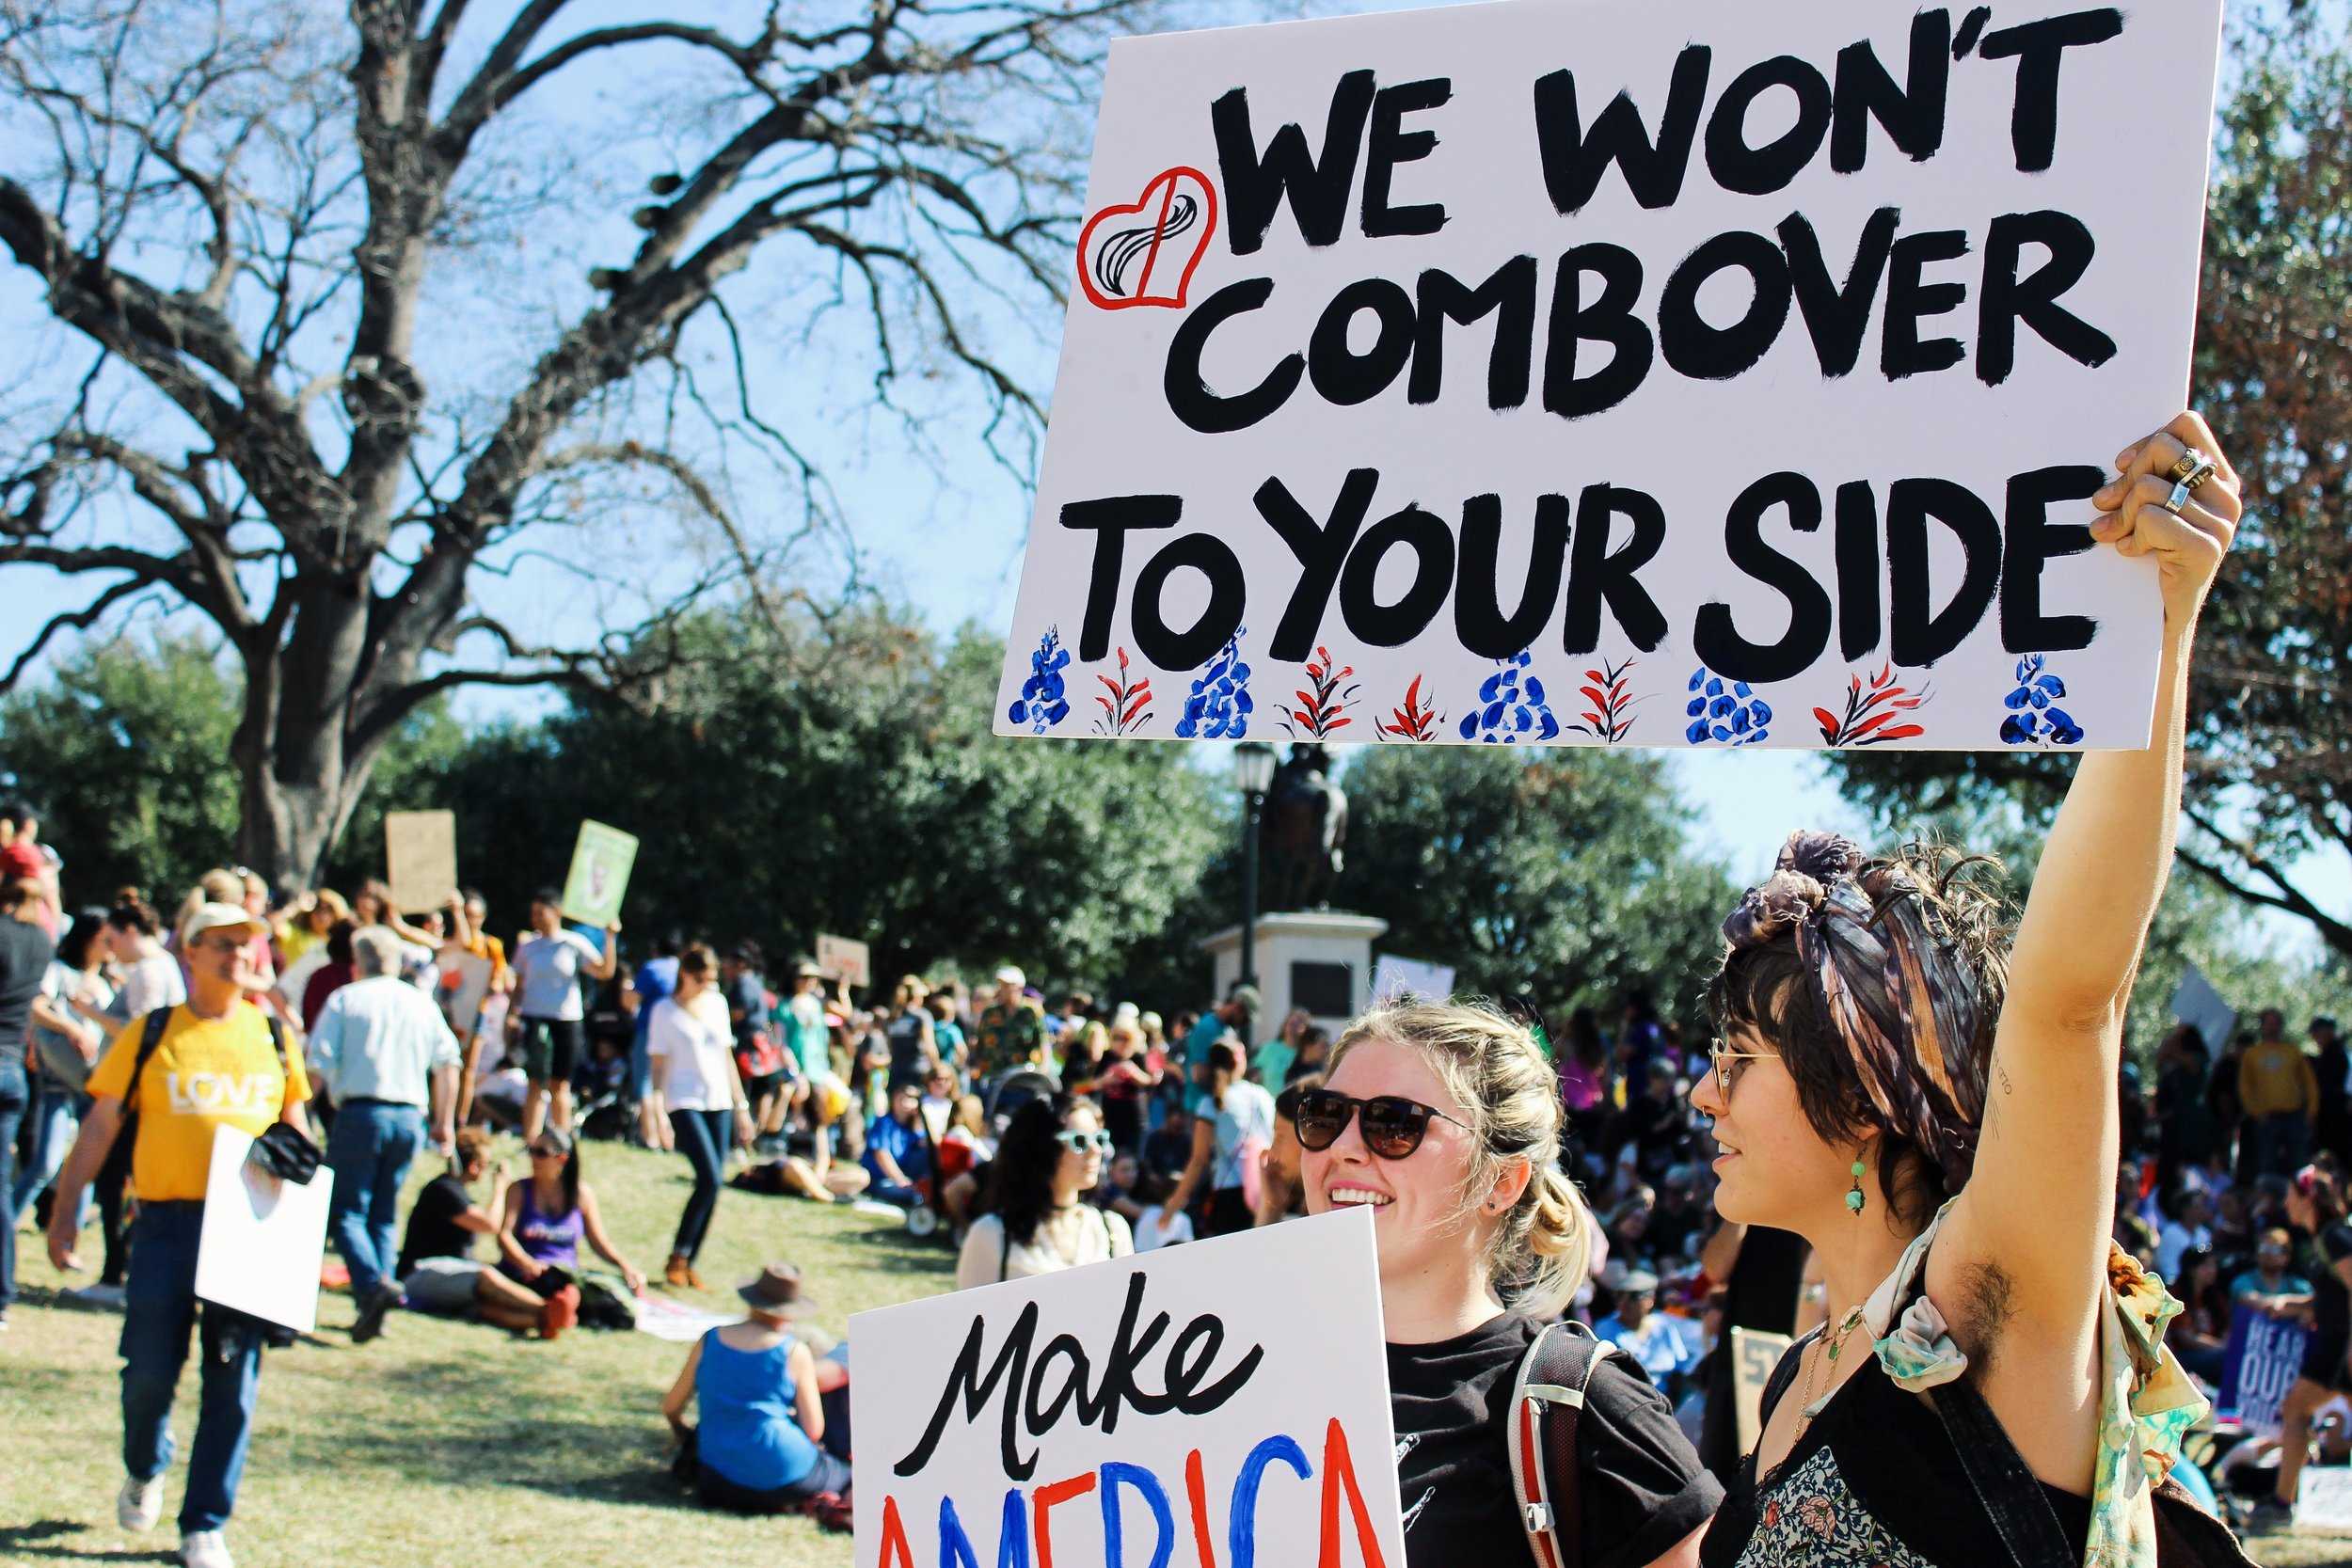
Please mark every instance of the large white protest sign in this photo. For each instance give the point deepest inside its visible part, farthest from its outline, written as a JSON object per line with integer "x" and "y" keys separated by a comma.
{"x": 1225, "y": 1397}
{"x": 1613, "y": 372}
{"x": 263, "y": 1237}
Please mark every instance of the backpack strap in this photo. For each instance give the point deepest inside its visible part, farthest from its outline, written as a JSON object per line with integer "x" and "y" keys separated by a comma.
{"x": 150, "y": 1037}
{"x": 1547, "y": 1406}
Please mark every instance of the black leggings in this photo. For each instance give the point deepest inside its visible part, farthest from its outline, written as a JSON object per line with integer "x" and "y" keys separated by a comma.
{"x": 703, "y": 1138}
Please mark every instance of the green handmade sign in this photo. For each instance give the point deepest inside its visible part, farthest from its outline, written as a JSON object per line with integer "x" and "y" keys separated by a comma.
{"x": 599, "y": 876}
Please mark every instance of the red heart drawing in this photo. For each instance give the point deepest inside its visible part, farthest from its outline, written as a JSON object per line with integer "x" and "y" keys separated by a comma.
{"x": 1118, "y": 264}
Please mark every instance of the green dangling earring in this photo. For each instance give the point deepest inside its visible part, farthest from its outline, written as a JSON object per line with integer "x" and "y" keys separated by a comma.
{"x": 1853, "y": 1198}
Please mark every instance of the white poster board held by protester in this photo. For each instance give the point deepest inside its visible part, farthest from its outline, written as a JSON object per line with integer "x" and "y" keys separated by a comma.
{"x": 1122, "y": 1412}
{"x": 2196, "y": 1003}
{"x": 420, "y": 858}
{"x": 1394, "y": 979}
{"x": 263, "y": 1237}
{"x": 1754, "y": 1353}
{"x": 847, "y": 961}
{"x": 1705, "y": 374}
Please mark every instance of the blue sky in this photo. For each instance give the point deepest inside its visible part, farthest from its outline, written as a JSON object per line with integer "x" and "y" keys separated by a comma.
{"x": 937, "y": 524}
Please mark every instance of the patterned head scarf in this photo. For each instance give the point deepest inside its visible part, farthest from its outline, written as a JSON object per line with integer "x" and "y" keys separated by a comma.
{"x": 1903, "y": 1001}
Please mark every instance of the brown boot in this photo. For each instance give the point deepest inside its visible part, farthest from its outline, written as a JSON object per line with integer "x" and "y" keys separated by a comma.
{"x": 678, "y": 1274}
{"x": 694, "y": 1280}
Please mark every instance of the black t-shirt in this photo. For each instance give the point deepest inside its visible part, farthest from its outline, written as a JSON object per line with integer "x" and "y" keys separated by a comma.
{"x": 906, "y": 1049}
{"x": 433, "y": 1227}
{"x": 2331, "y": 1304}
{"x": 746, "y": 994}
{"x": 24, "y": 954}
{"x": 1641, "y": 1487}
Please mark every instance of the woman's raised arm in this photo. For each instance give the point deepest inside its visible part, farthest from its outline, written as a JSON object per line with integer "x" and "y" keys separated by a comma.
{"x": 2041, "y": 1198}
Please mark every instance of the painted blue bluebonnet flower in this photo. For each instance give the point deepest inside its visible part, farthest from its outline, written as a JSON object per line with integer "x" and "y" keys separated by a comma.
{"x": 2034, "y": 716}
{"x": 1727, "y": 712}
{"x": 1511, "y": 707}
{"x": 1041, "y": 704}
{"x": 1219, "y": 705}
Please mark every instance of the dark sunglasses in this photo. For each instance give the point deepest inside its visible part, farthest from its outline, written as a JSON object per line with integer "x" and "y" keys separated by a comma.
{"x": 1394, "y": 1126}
{"x": 547, "y": 1154}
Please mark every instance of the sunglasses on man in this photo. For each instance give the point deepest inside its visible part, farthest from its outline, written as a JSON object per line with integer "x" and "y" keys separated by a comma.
{"x": 1392, "y": 1125}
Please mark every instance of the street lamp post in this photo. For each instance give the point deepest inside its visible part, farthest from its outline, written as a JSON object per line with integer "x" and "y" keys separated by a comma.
{"x": 1253, "y": 772}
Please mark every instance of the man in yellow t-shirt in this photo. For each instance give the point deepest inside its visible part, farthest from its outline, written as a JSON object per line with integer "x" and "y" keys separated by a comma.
{"x": 2280, "y": 1092}
{"x": 214, "y": 1065}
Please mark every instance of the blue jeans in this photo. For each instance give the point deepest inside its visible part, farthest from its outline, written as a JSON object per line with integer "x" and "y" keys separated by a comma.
{"x": 57, "y": 1121}
{"x": 371, "y": 1148}
{"x": 14, "y": 1092}
{"x": 159, "y": 1308}
{"x": 2280, "y": 1141}
{"x": 704, "y": 1137}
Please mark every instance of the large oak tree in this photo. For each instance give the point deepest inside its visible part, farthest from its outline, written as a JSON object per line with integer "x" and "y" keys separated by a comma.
{"x": 246, "y": 399}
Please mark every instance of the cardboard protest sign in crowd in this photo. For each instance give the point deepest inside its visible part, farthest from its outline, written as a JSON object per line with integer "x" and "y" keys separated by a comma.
{"x": 1705, "y": 374}
{"x": 1136, "y": 1410}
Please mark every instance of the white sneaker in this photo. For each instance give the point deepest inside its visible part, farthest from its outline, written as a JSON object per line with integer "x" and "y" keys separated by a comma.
{"x": 205, "y": 1548}
{"x": 139, "y": 1504}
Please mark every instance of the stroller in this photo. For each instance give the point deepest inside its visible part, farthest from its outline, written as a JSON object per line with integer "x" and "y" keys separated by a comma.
{"x": 1006, "y": 1094}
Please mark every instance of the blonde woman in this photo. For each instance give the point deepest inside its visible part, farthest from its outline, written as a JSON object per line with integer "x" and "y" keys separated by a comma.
{"x": 1445, "y": 1120}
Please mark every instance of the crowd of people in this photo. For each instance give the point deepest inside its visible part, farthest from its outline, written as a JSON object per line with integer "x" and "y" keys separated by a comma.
{"x": 1896, "y": 1127}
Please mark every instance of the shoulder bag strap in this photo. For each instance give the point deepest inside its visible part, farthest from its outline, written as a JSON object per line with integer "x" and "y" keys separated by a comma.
{"x": 150, "y": 1037}
{"x": 1547, "y": 1407}
{"x": 2011, "y": 1498}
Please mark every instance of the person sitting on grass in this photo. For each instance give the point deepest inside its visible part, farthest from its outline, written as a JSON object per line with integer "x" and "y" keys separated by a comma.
{"x": 898, "y": 1155}
{"x": 437, "y": 1271}
{"x": 546, "y": 1218}
{"x": 763, "y": 1420}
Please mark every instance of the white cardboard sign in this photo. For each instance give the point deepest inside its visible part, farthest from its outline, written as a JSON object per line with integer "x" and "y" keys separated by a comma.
{"x": 1613, "y": 373}
{"x": 263, "y": 1237}
{"x": 1126, "y": 1411}
{"x": 1394, "y": 978}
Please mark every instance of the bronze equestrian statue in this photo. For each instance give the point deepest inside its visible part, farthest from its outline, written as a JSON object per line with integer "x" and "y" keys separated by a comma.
{"x": 1305, "y": 826}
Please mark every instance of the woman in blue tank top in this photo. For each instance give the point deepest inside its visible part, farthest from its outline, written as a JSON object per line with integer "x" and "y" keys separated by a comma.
{"x": 762, "y": 1416}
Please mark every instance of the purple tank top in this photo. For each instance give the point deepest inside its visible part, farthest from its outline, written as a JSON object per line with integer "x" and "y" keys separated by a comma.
{"x": 551, "y": 1241}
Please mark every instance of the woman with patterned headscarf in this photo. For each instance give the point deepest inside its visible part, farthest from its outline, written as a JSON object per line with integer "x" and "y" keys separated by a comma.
{"x": 1928, "y": 1099}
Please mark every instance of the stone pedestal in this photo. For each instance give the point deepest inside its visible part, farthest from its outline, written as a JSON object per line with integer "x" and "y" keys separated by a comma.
{"x": 1320, "y": 961}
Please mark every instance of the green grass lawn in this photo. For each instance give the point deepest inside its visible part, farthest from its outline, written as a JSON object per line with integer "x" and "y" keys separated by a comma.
{"x": 442, "y": 1443}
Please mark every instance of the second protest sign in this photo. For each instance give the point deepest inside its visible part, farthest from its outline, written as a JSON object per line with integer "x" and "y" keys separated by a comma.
{"x": 1226, "y": 1395}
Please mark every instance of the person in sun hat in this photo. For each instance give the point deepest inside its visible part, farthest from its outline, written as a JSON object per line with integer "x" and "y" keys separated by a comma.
{"x": 759, "y": 1449}
{"x": 1011, "y": 1030}
{"x": 185, "y": 1071}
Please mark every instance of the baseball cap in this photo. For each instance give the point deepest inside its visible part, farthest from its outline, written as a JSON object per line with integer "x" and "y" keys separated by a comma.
{"x": 1247, "y": 998}
{"x": 217, "y": 917}
{"x": 1010, "y": 975}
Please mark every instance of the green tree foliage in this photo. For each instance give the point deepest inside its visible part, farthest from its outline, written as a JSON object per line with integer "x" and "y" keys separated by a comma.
{"x": 782, "y": 794}
{"x": 125, "y": 754}
{"x": 1562, "y": 875}
{"x": 2270, "y": 743}
{"x": 122, "y": 754}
